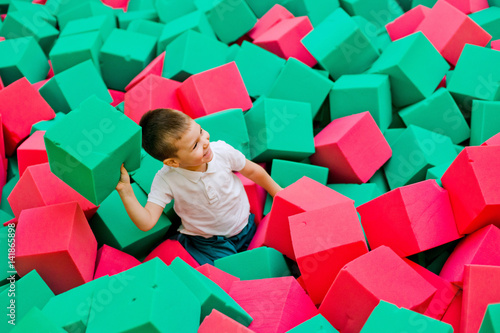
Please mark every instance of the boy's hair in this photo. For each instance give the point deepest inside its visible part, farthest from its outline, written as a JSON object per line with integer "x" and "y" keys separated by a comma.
{"x": 161, "y": 128}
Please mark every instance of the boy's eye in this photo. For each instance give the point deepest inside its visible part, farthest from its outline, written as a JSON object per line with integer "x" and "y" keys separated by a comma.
{"x": 196, "y": 144}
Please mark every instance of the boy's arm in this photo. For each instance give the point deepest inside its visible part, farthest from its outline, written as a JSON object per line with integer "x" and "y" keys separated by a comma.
{"x": 144, "y": 218}
{"x": 257, "y": 174}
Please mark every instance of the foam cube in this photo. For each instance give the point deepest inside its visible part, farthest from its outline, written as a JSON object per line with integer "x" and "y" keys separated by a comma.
{"x": 279, "y": 129}
{"x": 276, "y": 304}
{"x": 493, "y": 141}
{"x": 21, "y": 98}
{"x": 407, "y": 23}
{"x": 297, "y": 82}
{"x": 256, "y": 197}
{"x": 176, "y": 308}
{"x": 153, "y": 92}
{"x": 169, "y": 10}
{"x": 284, "y": 39}
{"x": 352, "y": 148}
{"x": 399, "y": 61}
{"x": 340, "y": 46}
{"x": 146, "y": 27}
{"x": 221, "y": 278}
{"x": 155, "y": 67}
{"x": 123, "y": 55}
{"x": 317, "y": 323}
{"x": 68, "y": 89}
{"x": 83, "y": 9}
{"x": 495, "y": 45}
{"x": 377, "y": 275}
{"x": 363, "y": 92}
{"x": 170, "y": 249}
{"x": 360, "y": 193}
{"x": 259, "y": 263}
{"x": 65, "y": 257}
{"x": 415, "y": 151}
{"x": 479, "y": 205}
{"x": 485, "y": 120}
{"x": 110, "y": 261}
{"x": 44, "y": 125}
{"x": 378, "y": 13}
{"x": 438, "y": 113}
{"x": 88, "y": 146}
{"x": 116, "y": 3}
{"x": 453, "y": 314}
{"x": 112, "y": 226}
{"x": 217, "y": 322}
{"x": 32, "y": 151}
{"x": 231, "y": 19}
{"x": 7, "y": 265}
{"x": 210, "y": 295}
{"x": 192, "y": 53}
{"x": 103, "y": 24}
{"x": 469, "y": 6}
{"x": 437, "y": 172}
{"x": 302, "y": 196}
{"x": 488, "y": 19}
{"x": 268, "y": 18}
{"x": 325, "y": 240}
{"x": 490, "y": 322}
{"x": 449, "y": 30}
{"x": 216, "y": 89}
{"x": 478, "y": 248}
{"x": 36, "y": 321}
{"x": 478, "y": 293}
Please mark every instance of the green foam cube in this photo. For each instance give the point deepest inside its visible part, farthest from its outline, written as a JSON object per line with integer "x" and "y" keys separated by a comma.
{"x": 46, "y": 124}
{"x": 169, "y": 10}
{"x": 415, "y": 151}
{"x": 36, "y": 321}
{"x": 231, "y": 19}
{"x": 104, "y": 24}
{"x": 82, "y": 9}
{"x": 4, "y": 217}
{"x": 73, "y": 49}
{"x": 22, "y": 57}
{"x": 260, "y": 7}
{"x": 259, "y": 263}
{"x": 232, "y": 51}
{"x": 414, "y": 66}
{"x": 192, "y": 53}
{"x": 362, "y": 92}
{"x": 491, "y": 321}
{"x": 392, "y": 134}
{"x": 318, "y": 10}
{"x": 112, "y": 226}
{"x": 279, "y": 129}
{"x": 32, "y": 9}
{"x": 7, "y": 188}
{"x": 12, "y": 167}
{"x": 438, "y": 113}
{"x": 340, "y": 46}
{"x": 68, "y": 89}
{"x": 317, "y": 323}
{"x": 7, "y": 244}
{"x": 259, "y": 68}
{"x": 489, "y": 20}
{"x": 210, "y": 295}
{"x": 298, "y": 82}
{"x": 150, "y": 298}
{"x": 124, "y": 55}
{"x": 146, "y": 27}
{"x": 138, "y": 5}
{"x": 437, "y": 172}
{"x": 88, "y": 146}
{"x": 380, "y": 180}
{"x": 389, "y": 318}
{"x": 378, "y": 12}
{"x": 485, "y": 121}
{"x": 229, "y": 126}
{"x": 196, "y": 21}
{"x": 126, "y": 18}
{"x": 360, "y": 193}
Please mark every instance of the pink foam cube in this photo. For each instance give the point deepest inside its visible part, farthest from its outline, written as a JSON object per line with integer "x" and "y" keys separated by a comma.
{"x": 302, "y": 196}
{"x": 353, "y": 148}
{"x": 216, "y": 89}
{"x": 493, "y": 141}
{"x": 448, "y": 29}
{"x": 495, "y": 45}
{"x": 259, "y": 238}
{"x": 117, "y": 96}
{"x": 273, "y": 16}
{"x": 38, "y": 187}
{"x": 284, "y": 39}
{"x": 325, "y": 240}
{"x": 217, "y": 322}
{"x": 453, "y": 314}
{"x": 275, "y": 304}
{"x": 111, "y": 261}
{"x": 117, "y": 4}
{"x": 57, "y": 241}
{"x": 39, "y": 84}
{"x": 221, "y": 278}
{"x": 20, "y": 98}
{"x": 256, "y": 196}
{"x": 469, "y": 6}
{"x": 406, "y": 24}
{"x": 170, "y": 249}
{"x": 410, "y": 219}
{"x": 481, "y": 288}
{"x": 155, "y": 67}
{"x": 478, "y": 248}
{"x": 378, "y": 275}
{"x": 32, "y": 151}
{"x": 50, "y": 74}
{"x": 472, "y": 182}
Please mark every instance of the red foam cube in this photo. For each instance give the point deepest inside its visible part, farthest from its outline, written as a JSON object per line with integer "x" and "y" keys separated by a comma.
{"x": 39, "y": 84}
{"x": 284, "y": 39}
{"x": 479, "y": 248}
{"x": 275, "y": 304}
{"x": 302, "y": 196}
{"x": 221, "y": 278}
{"x": 377, "y": 275}
{"x": 448, "y": 29}
{"x": 117, "y": 4}
{"x": 472, "y": 182}
{"x": 469, "y": 6}
{"x": 117, "y": 96}
{"x": 324, "y": 241}
{"x": 151, "y": 93}
{"x": 495, "y": 44}
{"x": 256, "y": 196}
{"x": 57, "y": 241}
{"x": 170, "y": 249}
{"x": 21, "y": 106}
{"x": 493, "y": 141}
{"x": 273, "y": 16}
{"x": 453, "y": 314}
{"x": 32, "y": 151}
{"x": 407, "y": 23}
{"x": 481, "y": 288}
{"x": 217, "y": 322}
{"x": 410, "y": 219}
{"x": 353, "y": 148}
{"x": 111, "y": 261}
{"x": 38, "y": 187}
{"x": 259, "y": 238}
{"x": 155, "y": 67}
{"x": 50, "y": 74}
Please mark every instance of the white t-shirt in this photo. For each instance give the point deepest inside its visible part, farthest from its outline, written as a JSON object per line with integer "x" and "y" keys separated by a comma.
{"x": 209, "y": 203}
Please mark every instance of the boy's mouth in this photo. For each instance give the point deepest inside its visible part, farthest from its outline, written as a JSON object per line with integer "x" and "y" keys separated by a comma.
{"x": 209, "y": 151}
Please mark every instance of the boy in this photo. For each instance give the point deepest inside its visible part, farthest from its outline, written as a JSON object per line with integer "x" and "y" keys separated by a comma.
{"x": 209, "y": 197}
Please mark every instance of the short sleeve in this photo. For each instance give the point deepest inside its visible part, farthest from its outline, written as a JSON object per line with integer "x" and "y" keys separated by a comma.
{"x": 235, "y": 158}
{"x": 160, "y": 193}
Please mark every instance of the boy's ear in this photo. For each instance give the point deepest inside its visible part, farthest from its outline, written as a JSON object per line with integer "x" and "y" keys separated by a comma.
{"x": 171, "y": 162}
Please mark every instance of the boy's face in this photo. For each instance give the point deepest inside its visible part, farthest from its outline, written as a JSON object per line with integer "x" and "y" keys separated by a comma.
{"x": 193, "y": 149}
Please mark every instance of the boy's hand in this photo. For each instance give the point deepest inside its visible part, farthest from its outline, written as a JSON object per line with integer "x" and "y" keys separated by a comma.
{"x": 124, "y": 181}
